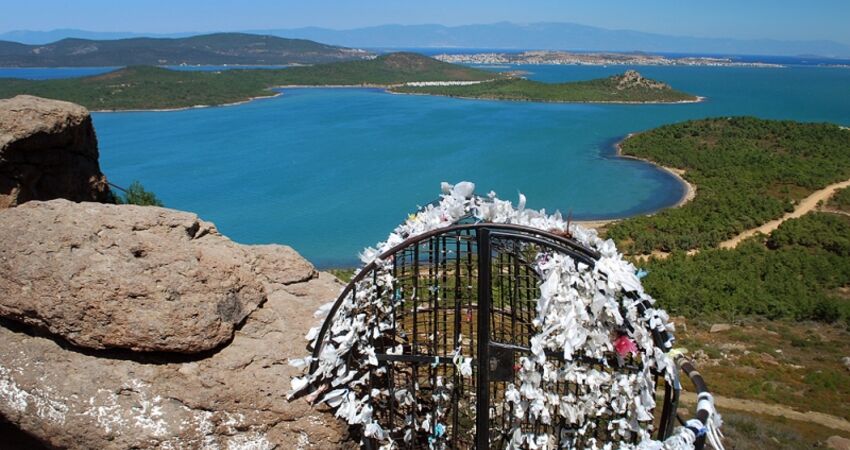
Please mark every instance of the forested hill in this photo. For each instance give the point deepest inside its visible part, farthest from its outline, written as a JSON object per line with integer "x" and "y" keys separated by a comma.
{"x": 210, "y": 49}
{"x": 145, "y": 87}
{"x": 747, "y": 171}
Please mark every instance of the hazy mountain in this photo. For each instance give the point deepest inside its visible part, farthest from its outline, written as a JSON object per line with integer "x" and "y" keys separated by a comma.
{"x": 46, "y": 37}
{"x": 555, "y": 36}
{"x": 504, "y": 35}
{"x": 221, "y": 48}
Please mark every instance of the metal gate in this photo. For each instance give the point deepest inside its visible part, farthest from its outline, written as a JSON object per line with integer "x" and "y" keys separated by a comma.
{"x": 470, "y": 290}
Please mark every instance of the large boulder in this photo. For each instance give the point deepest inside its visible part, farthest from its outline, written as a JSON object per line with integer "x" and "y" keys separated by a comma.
{"x": 132, "y": 277}
{"x": 48, "y": 150}
{"x": 233, "y": 398}
{"x": 68, "y": 268}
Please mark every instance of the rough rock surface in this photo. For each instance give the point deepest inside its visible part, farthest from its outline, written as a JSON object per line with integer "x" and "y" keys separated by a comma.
{"x": 124, "y": 276}
{"x": 229, "y": 397}
{"x": 234, "y": 398}
{"x": 48, "y": 150}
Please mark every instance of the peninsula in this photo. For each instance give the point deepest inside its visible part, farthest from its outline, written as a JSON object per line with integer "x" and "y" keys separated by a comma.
{"x": 146, "y": 87}
{"x": 155, "y": 88}
{"x": 747, "y": 172}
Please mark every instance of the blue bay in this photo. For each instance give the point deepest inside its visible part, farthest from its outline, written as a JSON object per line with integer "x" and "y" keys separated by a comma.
{"x": 329, "y": 171}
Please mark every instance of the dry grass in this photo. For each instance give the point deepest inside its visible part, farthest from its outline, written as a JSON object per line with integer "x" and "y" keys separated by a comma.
{"x": 796, "y": 364}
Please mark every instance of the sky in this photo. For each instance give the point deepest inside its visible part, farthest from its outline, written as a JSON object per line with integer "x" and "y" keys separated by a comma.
{"x": 747, "y": 19}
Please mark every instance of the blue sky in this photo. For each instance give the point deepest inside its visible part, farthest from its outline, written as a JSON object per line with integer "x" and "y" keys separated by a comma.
{"x": 776, "y": 19}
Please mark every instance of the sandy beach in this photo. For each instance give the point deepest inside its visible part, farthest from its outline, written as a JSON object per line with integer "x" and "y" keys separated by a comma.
{"x": 241, "y": 102}
{"x": 690, "y": 189}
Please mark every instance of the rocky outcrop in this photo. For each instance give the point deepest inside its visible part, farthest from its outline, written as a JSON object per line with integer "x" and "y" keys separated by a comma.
{"x": 133, "y": 277}
{"x": 57, "y": 385}
{"x": 632, "y": 79}
{"x": 48, "y": 150}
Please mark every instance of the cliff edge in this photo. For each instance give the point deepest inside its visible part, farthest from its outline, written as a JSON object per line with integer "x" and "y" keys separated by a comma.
{"x": 48, "y": 150}
{"x": 124, "y": 326}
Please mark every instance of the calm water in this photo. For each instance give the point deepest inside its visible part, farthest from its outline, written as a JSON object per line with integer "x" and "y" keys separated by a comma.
{"x": 329, "y": 171}
{"x": 51, "y": 73}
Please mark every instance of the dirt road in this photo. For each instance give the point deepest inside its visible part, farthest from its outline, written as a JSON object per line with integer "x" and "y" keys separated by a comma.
{"x": 806, "y": 205}
{"x": 771, "y": 409}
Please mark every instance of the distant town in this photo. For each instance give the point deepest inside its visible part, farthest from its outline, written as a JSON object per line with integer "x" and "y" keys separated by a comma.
{"x": 592, "y": 59}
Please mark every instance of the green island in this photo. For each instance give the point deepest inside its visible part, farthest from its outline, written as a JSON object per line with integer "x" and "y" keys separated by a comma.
{"x": 747, "y": 171}
{"x": 629, "y": 87}
{"x": 151, "y": 88}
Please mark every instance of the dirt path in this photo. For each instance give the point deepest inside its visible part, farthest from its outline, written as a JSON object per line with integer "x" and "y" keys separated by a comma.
{"x": 806, "y": 205}
{"x": 772, "y": 409}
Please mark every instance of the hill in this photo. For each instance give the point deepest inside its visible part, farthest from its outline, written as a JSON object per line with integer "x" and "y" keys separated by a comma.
{"x": 747, "y": 171}
{"x": 145, "y": 87}
{"x": 629, "y": 87}
{"x": 210, "y": 49}
{"x": 503, "y": 35}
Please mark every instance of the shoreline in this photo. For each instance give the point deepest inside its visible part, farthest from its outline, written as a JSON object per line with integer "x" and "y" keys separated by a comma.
{"x": 698, "y": 99}
{"x": 387, "y": 88}
{"x": 690, "y": 189}
{"x": 689, "y": 194}
{"x": 185, "y": 108}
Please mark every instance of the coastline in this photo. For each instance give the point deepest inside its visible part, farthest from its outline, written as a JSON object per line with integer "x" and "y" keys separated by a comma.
{"x": 185, "y": 108}
{"x": 689, "y": 194}
{"x": 388, "y": 89}
{"x": 698, "y": 99}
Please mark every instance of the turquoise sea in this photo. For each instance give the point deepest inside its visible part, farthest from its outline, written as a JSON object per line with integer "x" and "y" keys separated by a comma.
{"x": 329, "y": 171}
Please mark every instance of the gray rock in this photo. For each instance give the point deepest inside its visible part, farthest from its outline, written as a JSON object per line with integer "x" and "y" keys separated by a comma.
{"x": 838, "y": 443}
{"x": 720, "y": 327}
{"x": 48, "y": 149}
{"x": 131, "y": 277}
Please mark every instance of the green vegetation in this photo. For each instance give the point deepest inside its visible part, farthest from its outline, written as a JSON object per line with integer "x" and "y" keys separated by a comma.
{"x": 137, "y": 195}
{"x": 752, "y": 432}
{"x": 144, "y": 87}
{"x": 830, "y": 232}
{"x": 747, "y": 172}
{"x": 344, "y": 275}
{"x": 800, "y": 274}
{"x": 626, "y": 88}
{"x": 840, "y": 201}
{"x": 210, "y": 49}
{"x": 793, "y": 363}
{"x": 158, "y": 88}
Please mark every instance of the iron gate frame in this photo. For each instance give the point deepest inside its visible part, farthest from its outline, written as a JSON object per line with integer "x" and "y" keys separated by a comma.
{"x": 485, "y": 233}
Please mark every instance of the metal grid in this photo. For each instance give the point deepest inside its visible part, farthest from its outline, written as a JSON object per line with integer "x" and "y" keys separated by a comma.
{"x": 467, "y": 287}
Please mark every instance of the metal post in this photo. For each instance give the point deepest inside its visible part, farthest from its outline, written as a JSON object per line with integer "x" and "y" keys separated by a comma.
{"x": 482, "y": 418}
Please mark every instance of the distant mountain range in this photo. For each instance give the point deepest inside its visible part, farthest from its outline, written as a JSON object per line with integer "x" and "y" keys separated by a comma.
{"x": 220, "y": 48}
{"x": 505, "y": 35}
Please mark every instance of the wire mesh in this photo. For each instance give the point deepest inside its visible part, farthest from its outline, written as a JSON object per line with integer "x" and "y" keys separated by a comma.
{"x": 435, "y": 308}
